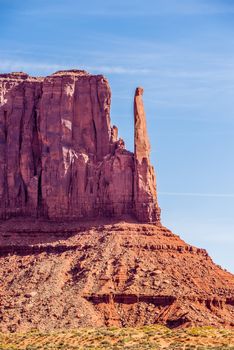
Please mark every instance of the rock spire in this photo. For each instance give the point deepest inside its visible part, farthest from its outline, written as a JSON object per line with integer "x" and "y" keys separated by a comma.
{"x": 145, "y": 196}
{"x": 141, "y": 139}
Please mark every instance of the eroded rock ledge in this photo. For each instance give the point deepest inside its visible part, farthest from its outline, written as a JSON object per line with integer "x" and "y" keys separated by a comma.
{"x": 114, "y": 274}
{"x": 61, "y": 159}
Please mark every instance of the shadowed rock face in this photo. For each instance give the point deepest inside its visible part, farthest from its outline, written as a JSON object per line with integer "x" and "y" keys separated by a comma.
{"x": 59, "y": 156}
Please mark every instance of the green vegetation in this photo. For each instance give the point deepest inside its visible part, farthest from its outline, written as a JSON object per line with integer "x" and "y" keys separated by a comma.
{"x": 142, "y": 338}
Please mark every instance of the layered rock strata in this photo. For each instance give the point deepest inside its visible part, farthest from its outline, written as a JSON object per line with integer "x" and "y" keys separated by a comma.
{"x": 107, "y": 274}
{"x": 61, "y": 159}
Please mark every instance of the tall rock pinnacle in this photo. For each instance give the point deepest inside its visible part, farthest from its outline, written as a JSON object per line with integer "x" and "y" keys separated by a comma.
{"x": 141, "y": 139}
{"x": 145, "y": 195}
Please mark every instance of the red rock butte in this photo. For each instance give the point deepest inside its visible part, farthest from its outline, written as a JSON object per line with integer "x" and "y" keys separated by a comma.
{"x": 60, "y": 158}
{"x": 81, "y": 243}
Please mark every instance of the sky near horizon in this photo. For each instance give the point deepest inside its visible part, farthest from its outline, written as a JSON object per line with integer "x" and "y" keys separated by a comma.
{"x": 182, "y": 53}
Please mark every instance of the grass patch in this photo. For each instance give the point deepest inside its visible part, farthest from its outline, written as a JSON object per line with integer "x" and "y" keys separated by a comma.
{"x": 113, "y": 338}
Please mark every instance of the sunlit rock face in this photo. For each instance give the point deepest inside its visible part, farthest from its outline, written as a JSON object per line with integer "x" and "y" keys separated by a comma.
{"x": 61, "y": 159}
{"x": 145, "y": 196}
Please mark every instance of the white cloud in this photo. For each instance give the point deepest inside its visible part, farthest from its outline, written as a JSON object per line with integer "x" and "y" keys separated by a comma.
{"x": 194, "y": 194}
{"x": 118, "y": 70}
{"x": 132, "y": 8}
{"x": 9, "y": 65}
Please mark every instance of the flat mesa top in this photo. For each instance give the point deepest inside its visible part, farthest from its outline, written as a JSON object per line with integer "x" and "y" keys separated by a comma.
{"x": 75, "y": 72}
{"x": 21, "y": 76}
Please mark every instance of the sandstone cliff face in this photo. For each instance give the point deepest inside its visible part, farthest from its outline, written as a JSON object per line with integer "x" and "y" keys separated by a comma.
{"x": 59, "y": 156}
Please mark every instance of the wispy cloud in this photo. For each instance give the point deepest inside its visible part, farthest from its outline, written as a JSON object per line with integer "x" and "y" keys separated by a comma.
{"x": 9, "y": 65}
{"x": 202, "y": 75}
{"x": 196, "y": 194}
{"x": 222, "y": 239}
{"x": 118, "y": 70}
{"x": 133, "y": 9}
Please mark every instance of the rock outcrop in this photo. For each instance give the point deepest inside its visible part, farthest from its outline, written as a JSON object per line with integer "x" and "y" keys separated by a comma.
{"x": 107, "y": 274}
{"x": 61, "y": 159}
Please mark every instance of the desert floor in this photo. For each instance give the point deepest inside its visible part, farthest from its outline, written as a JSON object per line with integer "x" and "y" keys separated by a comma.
{"x": 148, "y": 337}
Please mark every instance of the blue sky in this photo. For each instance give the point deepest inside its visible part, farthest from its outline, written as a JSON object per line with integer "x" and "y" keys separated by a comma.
{"x": 182, "y": 53}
